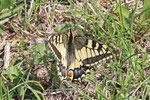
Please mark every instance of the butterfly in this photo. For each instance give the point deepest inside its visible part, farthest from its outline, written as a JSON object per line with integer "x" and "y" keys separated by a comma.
{"x": 77, "y": 54}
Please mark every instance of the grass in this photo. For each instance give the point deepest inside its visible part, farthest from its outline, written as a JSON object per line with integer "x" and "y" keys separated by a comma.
{"x": 32, "y": 70}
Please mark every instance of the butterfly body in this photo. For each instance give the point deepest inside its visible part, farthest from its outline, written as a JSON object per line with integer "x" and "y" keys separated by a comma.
{"x": 76, "y": 54}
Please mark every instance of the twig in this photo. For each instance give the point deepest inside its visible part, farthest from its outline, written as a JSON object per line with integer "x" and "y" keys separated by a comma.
{"x": 6, "y": 55}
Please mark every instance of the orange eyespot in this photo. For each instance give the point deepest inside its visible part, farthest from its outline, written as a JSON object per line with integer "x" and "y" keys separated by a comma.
{"x": 70, "y": 74}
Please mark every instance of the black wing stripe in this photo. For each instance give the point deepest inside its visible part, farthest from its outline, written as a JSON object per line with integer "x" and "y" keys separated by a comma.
{"x": 107, "y": 50}
{"x": 93, "y": 44}
{"x": 55, "y": 50}
{"x": 100, "y": 47}
{"x": 95, "y": 59}
{"x": 56, "y": 41}
{"x": 59, "y": 39}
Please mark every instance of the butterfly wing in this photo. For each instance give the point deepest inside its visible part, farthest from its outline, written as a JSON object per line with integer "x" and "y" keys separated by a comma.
{"x": 91, "y": 52}
{"x": 57, "y": 44}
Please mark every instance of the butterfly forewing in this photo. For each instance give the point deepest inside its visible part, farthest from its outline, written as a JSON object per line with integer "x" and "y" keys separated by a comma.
{"x": 92, "y": 52}
{"x": 58, "y": 47}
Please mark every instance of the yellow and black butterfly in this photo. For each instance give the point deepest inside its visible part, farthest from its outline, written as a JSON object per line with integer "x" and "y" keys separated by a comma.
{"x": 77, "y": 54}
